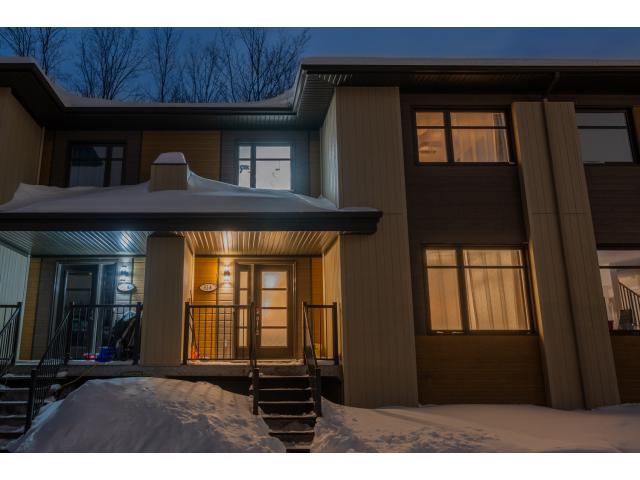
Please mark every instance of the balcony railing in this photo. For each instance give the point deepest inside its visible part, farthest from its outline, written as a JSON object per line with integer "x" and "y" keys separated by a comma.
{"x": 217, "y": 332}
{"x": 104, "y": 332}
{"x": 9, "y": 335}
{"x": 323, "y": 326}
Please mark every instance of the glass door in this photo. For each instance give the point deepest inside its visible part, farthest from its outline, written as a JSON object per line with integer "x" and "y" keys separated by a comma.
{"x": 273, "y": 297}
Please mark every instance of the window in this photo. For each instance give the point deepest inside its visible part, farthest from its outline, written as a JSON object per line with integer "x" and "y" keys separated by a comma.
{"x": 604, "y": 137}
{"x": 620, "y": 277}
{"x": 264, "y": 166}
{"x": 462, "y": 137}
{"x": 477, "y": 289}
{"x": 96, "y": 165}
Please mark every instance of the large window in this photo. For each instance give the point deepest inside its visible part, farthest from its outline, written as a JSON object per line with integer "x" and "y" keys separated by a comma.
{"x": 477, "y": 289}
{"x": 96, "y": 165}
{"x": 264, "y": 166}
{"x": 620, "y": 277}
{"x": 604, "y": 136}
{"x": 465, "y": 137}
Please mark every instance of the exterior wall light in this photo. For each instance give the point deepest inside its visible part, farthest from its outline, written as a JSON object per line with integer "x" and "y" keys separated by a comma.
{"x": 226, "y": 274}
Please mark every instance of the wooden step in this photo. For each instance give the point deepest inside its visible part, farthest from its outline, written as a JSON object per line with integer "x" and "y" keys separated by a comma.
{"x": 290, "y": 422}
{"x": 295, "y": 407}
{"x": 293, "y": 436}
{"x": 13, "y": 407}
{"x": 21, "y": 393}
{"x": 281, "y": 394}
{"x": 13, "y": 420}
{"x": 11, "y": 431}
{"x": 279, "y": 381}
{"x": 295, "y": 447}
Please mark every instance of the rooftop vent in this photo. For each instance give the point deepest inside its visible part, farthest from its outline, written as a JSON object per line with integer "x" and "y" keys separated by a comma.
{"x": 169, "y": 172}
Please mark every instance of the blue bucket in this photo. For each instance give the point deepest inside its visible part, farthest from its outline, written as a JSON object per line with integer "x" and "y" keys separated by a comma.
{"x": 106, "y": 354}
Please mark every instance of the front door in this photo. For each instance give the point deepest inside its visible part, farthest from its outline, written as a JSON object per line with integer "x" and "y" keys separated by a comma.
{"x": 270, "y": 288}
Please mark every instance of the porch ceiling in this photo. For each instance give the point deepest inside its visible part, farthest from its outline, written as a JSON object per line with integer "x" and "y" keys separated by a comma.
{"x": 89, "y": 243}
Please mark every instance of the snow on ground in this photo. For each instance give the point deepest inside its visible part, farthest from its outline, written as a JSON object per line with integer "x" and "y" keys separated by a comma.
{"x": 148, "y": 415}
{"x": 477, "y": 428}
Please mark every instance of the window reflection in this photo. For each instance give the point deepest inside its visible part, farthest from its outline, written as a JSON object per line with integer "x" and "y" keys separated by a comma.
{"x": 620, "y": 277}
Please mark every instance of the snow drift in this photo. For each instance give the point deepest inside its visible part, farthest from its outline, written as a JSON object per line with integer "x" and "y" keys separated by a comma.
{"x": 148, "y": 415}
{"x": 477, "y": 428}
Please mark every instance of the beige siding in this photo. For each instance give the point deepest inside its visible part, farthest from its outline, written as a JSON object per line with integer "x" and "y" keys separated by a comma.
{"x": 20, "y": 146}
{"x": 571, "y": 313}
{"x": 315, "y": 177}
{"x": 331, "y": 279}
{"x": 379, "y": 361}
{"x": 329, "y": 155}
{"x": 138, "y": 279}
{"x": 168, "y": 284}
{"x": 581, "y": 259}
{"x": 168, "y": 177}
{"x": 30, "y": 305}
{"x": 201, "y": 149}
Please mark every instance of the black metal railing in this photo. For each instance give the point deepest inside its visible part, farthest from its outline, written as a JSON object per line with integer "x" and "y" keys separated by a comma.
{"x": 46, "y": 373}
{"x": 114, "y": 327}
{"x": 323, "y": 322}
{"x": 311, "y": 362}
{"x": 630, "y": 312}
{"x": 217, "y": 332}
{"x": 253, "y": 357}
{"x": 104, "y": 332}
{"x": 9, "y": 335}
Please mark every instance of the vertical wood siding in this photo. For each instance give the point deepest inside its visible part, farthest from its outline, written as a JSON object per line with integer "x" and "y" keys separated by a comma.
{"x": 137, "y": 277}
{"x": 30, "y": 306}
{"x": 331, "y": 284}
{"x": 314, "y": 165}
{"x": 329, "y": 155}
{"x": 581, "y": 259}
{"x": 626, "y": 352}
{"x": 200, "y": 148}
{"x": 377, "y": 315}
{"x": 20, "y": 146}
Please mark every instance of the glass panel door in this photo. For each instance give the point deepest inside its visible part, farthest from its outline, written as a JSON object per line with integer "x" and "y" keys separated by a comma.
{"x": 273, "y": 294}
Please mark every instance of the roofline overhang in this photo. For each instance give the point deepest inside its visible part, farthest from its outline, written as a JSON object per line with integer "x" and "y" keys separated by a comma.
{"x": 347, "y": 222}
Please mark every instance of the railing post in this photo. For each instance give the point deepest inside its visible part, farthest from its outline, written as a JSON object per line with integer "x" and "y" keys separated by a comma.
{"x": 137, "y": 334}
{"x": 185, "y": 347}
{"x": 317, "y": 392}
{"x": 334, "y": 331}
{"x": 255, "y": 382}
{"x": 16, "y": 333}
{"x": 31, "y": 401}
{"x": 69, "y": 334}
{"x": 305, "y": 326}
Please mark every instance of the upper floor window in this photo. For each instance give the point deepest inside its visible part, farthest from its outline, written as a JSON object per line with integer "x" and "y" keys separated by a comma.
{"x": 264, "y": 166}
{"x": 477, "y": 289}
{"x": 469, "y": 137}
{"x": 620, "y": 277}
{"x": 96, "y": 165}
{"x": 604, "y": 136}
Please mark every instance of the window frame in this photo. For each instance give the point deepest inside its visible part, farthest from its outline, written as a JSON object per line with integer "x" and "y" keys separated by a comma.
{"x": 108, "y": 159}
{"x": 448, "y": 133}
{"x": 462, "y": 288}
{"x": 599, "y": 248}
{"x": 630, "y": 132}
{"x": 253, "y": 160}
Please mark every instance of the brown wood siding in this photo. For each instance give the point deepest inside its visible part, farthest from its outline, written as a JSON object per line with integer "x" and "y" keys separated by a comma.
{"x": 200, "y": 148}
{"x": 44, "y": 308}
{"x": 205, "y": 271}
{"x": 331, "y": 285}
{"x": 614, "y": 194}
{"x": 59, "y": 174}
{"x": 626, "y": 352}
{"x": 137, "y": 276}
{"x": 299, "y": 140}
{"x": 30, "y": 307}
{"x": 377, "y": 328}
{"x": 479, "y": 369}
{"x": 329, "y": 155}
{"x": 47, "y": 157}
{"x": 581, "y": 260}
{"x": 20, "y": 146}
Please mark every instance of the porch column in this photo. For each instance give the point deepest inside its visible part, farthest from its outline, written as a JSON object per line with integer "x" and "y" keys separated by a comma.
{"x": 572, "y": 318}
{"x": 362, "y": 163}
{"x": 167, "y": 286}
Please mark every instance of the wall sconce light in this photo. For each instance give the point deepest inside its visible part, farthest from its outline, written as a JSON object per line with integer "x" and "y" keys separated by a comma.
{"x": 226, "y": 274}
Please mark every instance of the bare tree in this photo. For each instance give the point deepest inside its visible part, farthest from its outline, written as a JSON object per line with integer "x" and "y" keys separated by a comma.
{"x": 50, "y": 43}
{"x": 202, "y": 79}
{"x": 21, "y": 40}
{"x": 45, "y": 44}
{"x": 163, "y": 62}
{"x": 109, "y": 60}
{"x": 257, "y": 66}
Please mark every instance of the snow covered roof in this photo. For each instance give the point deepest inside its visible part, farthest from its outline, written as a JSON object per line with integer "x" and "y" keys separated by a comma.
{"x": 205, "y": 204}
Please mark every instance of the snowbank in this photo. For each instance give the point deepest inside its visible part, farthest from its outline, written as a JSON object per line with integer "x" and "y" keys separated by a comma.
{"x": 148, "y": 415}
{"x": 477, "y": 428}
{"x": 202, "y": 196}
